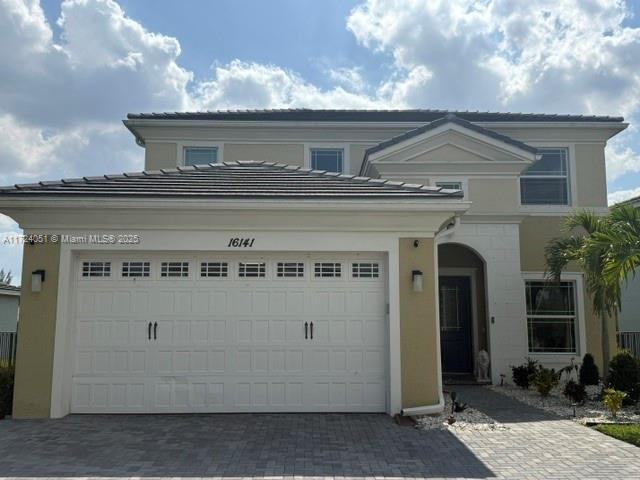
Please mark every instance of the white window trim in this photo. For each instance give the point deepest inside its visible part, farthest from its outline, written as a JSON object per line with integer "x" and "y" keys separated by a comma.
{"x": 581, "y": 340}
{"x": 198, "y": 143}
{"x": 464, "y": 181}
{"x": 571, "y": 165}
{"x": 346, "y": 153}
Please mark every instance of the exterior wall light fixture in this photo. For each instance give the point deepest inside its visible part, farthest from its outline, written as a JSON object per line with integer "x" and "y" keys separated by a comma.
{"x": 37, "y": 277}
{"x": 416, "y": 276}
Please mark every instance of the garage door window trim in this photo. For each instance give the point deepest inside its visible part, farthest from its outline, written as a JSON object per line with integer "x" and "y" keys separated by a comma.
{"x": 365, "y": 270}
{"x": 290, "y": 270}
{"x": 137, "y": 269}
{"x": 97, "y": 269}
{"x": 327, "y": 270}
{"x": 214, "y": 269}
{"x": 174, "y": 269}
{"x": 252, "y": 269}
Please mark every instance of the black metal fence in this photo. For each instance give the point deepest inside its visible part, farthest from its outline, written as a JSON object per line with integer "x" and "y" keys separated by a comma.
{"x": 8, "y": 343}
{"x": 630, "y": 341}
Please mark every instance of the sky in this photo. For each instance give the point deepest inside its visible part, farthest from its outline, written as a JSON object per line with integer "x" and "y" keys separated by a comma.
{"x": 70, "y": 71}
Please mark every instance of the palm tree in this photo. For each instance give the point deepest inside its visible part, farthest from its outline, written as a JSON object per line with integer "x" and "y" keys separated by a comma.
{"x": 621, "y": 242}
{"x": 587, "y": 246}
{"x": 5, "y": 278}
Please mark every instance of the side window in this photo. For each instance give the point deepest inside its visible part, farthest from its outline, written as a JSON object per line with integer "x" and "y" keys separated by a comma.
{"x": 200, "y": 155}
{"x": 328, "y": 159}
{"x": 551, "y": 317}
{"x": 546, "y": 182}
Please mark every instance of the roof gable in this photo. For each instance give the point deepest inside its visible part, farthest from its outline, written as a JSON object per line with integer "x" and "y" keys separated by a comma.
{"x": 231, "y": 180}
{"x": 450, "y": 140}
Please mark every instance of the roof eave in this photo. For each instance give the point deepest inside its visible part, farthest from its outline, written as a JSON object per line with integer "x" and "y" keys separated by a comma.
{"x": 13, "y": 206}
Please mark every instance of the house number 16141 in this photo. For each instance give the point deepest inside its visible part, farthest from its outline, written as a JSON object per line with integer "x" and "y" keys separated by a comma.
{"x": 241, "y": 242}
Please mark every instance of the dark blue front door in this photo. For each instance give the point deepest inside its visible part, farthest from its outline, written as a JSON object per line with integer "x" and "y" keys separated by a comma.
{"x": 455, "y": 325}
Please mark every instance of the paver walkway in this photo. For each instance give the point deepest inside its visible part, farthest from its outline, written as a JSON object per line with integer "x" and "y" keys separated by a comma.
{"x": 536, "y": 446}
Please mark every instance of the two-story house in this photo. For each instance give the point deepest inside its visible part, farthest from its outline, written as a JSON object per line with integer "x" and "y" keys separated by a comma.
{"x": 305, "y": 260}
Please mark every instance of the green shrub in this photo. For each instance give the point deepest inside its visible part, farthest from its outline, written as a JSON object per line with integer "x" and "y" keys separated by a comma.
{"x": 575, "y": 392}
{"x": 521, "y": 373}
{"x": 589, "y": 374}
{"x": 545, "y": 379}
{"x": 6, "y": 390}
{"x": 612, "y": 400}
{"x": 624, "y": 375}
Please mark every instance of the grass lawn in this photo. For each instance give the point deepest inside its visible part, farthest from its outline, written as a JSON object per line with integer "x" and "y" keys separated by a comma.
{"x": 629, "y": 433}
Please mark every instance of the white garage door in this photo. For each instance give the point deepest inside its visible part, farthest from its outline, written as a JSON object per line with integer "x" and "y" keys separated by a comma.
{"x": 226, "y": 333}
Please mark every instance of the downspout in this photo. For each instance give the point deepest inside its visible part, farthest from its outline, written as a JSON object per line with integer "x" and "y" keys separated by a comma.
{"x": 446, "y": 229}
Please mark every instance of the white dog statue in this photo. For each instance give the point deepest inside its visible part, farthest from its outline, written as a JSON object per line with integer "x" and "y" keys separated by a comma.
{"x": 483, "y": 366}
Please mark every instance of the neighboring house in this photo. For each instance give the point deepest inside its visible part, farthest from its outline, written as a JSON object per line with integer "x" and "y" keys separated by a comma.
{"x": 305, "y": 260}
{"x": 9, "y": 305}
{"x": 629, "y": 318}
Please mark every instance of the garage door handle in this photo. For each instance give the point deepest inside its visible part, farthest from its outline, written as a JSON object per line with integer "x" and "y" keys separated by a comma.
{"x": 149, "y": 331}
{"x": 311, "y": 330}
{"x": 306, "y": 326}
{"x": 155, "y": 331}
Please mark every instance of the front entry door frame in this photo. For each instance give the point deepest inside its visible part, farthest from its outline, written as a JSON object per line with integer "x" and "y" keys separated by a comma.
{"x": 472, "y": 274}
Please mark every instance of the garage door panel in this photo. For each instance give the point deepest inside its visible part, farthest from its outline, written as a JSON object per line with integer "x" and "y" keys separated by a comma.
{"x": 228, "y": 344}
{"x": 111, "y": 395}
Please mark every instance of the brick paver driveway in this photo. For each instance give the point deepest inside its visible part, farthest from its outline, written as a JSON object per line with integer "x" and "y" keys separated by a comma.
{"x": 535, "y": 446}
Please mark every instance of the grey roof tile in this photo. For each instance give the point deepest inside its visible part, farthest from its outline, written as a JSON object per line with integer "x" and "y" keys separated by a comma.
{"x": 9, "y": 288}
{"x": 245, "y": 180}
{"x": 417, "y": 115}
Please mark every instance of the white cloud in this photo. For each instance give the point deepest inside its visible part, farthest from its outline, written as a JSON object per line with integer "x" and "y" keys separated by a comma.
{"x": 622, "y": 195}
{"x": 545, "y": 55}
{"x": 26, "y": 151}
{"x": 349, "y": 78}
{"x": 105, "y": 65}
{"x": 252, "y": 85}
{"x": 620, "y": 160}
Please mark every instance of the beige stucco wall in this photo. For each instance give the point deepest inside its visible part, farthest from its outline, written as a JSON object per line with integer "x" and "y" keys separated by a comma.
{"x": 590, "y": 176}
{"x": 418, "y": 325}
{"x": 291, "y": 154}
{"x": 36, "y": 331}
{"x": 493, "y": 195}
{"x": 535, "y": 233}
{"x": 356, "y": 155}
{"x": 159, "y": 155}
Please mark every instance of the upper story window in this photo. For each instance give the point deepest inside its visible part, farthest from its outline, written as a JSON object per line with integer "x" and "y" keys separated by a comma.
{"x": 546, "y": 182}
{"x": 449, "y": 185}
{"x": 200, "y": 155}
{"x": 329, "y": 159}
